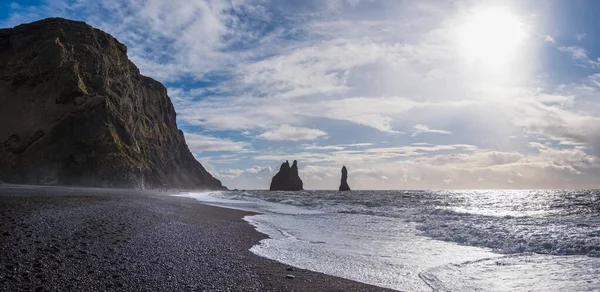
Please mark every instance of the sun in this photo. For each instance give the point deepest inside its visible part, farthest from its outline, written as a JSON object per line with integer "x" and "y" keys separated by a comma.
{"x": 491, "y": 36}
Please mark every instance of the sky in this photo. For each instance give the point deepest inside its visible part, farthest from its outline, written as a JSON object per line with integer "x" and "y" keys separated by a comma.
{"x": 440, "y": 94}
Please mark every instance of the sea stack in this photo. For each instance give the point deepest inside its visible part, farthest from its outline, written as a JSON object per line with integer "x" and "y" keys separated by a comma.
{"x": 287, "y": 179}
{"x": 76, "y": 111}
{"x": 344, "y": 184}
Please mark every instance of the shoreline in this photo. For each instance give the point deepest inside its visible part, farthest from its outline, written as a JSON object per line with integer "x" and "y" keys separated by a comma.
{"x": 55, "y": 238}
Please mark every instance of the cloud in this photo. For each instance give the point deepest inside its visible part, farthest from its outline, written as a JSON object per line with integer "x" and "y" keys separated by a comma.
{"x": 167, "y": 39}
{"x": 321, "y": 68}
{"x": 357, "y": 145}
{"x": 549, "y": 168}
{"x": 290, "y": 133}
{"x": 255, "y": 170}
{"x": 560, "y": 125}
{"x": 230, "y": 173}
{"x": 580, "y": 36}
{"x": 549, "y": 39}
{"x": 358, "y": 156}
{"x": 580, "y": 56}
{"x": 337, "y": 147}
{"x": 421, "y": 129}
{"x": 327, "y": 147}
{"x": 203, "y": 143}
{"x": 228, "y": 158}
{"x": 577, "y": 53}
{"x": 254, "y": 177}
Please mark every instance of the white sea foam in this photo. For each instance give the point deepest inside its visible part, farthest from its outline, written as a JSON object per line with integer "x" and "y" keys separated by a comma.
{"x": 243, "y": 202}
{"x": 418, "y": 241}
{"x": 376, "y": 250}
{"x": 521, "y": 272}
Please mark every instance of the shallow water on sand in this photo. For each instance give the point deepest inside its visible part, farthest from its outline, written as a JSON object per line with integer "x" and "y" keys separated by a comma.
{"x": 432, "y": 240}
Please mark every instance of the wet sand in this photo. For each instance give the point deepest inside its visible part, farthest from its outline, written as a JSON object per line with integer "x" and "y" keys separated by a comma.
{"x": 61, "y": 239}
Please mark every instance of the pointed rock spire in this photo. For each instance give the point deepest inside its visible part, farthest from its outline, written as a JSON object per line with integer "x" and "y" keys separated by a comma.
{"x": 344, "y": 183}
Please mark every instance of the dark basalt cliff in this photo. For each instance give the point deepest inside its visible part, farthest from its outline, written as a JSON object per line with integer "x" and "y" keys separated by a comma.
{"x": 344, "y": 182}
{"x": 75, "y": 111}
{"x": 287, "y": 179}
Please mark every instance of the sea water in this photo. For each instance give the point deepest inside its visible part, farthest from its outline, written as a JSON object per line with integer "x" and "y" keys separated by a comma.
{"x": 504, "y": 240}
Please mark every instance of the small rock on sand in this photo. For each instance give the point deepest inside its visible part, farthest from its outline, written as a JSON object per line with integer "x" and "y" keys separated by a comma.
{"x": 288, "y": 276}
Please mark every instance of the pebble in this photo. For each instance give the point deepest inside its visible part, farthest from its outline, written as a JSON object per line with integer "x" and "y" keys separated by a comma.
{"x": 216, "y": 270}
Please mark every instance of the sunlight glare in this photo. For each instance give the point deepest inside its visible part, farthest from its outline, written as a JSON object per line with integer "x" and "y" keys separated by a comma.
{"x": 491, "y": 36}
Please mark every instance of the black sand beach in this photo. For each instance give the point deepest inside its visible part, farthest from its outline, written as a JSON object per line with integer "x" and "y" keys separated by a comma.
{"x": 69, "y": 239}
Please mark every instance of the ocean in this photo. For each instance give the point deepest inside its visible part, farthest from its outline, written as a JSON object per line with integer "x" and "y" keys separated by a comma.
{"x": 458, "y": 240}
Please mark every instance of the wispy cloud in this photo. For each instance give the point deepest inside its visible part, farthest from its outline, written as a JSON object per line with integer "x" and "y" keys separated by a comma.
{"x": 580, "y": 36}
{"x": 203, "y": 143}
{"x": 357, "y": 145}
{"x": 167, "y": 39}
{"x": 327, "y": 147}
{"x": 287, "y": 132}
{"x": 422, "y": 129}
{"x": 581, "y": 56}
{"x": 253, "y": 171}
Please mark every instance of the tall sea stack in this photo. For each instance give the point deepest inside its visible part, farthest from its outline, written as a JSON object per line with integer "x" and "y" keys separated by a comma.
{"x": 287, "y": 179}
{"x": 344, "y": 184}
{"x": 75, "y": 111}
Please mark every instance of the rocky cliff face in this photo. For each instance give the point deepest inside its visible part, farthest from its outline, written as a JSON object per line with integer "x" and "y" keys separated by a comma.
{"x": 344, "y": 183}
{"x": 287, "y": 179}
{"x": 75, "y": 111}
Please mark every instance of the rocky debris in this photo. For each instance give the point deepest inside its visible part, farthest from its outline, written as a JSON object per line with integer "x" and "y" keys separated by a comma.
{"x": 287, "y": 179}
{"x": 344, "y": 184}
{"x": 76, "y": 111}
{"x": 290, "y": 276}
{"x": 290, "y": 269}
